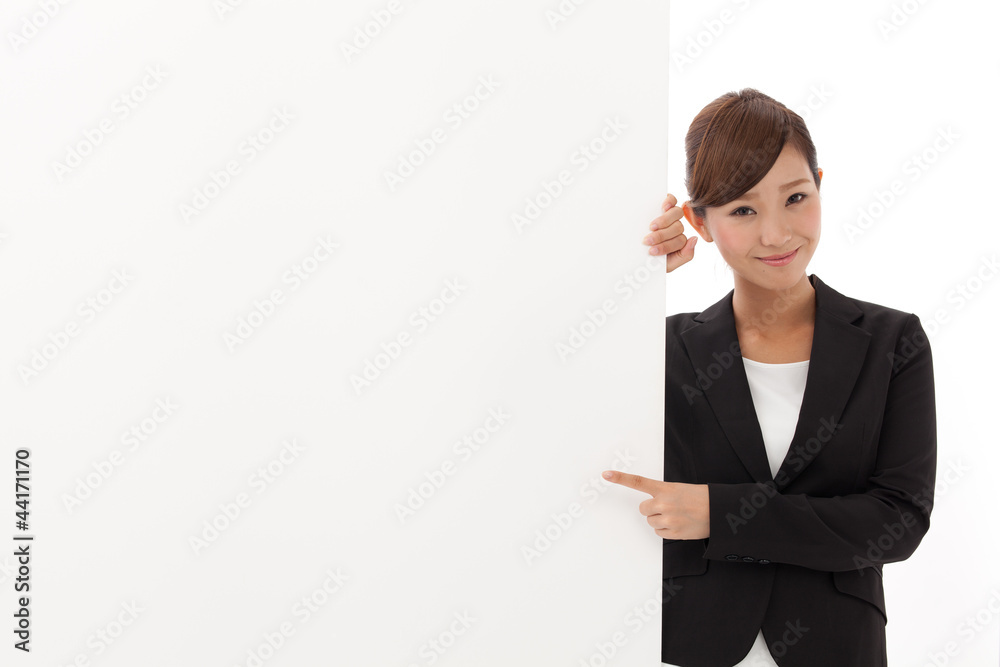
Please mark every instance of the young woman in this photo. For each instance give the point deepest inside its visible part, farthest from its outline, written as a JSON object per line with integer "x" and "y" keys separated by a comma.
{"x": 800, "y": 435}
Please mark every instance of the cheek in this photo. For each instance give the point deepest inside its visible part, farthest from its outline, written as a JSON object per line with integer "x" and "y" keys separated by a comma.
{"x": 733, "y": 239}
{"x": 811, "y": 217}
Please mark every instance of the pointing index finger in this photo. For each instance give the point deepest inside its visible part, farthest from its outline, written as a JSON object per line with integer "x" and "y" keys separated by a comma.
{"x": 637, "y": 482}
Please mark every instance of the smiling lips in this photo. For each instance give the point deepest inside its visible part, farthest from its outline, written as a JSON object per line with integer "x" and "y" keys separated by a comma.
{"x": 779, "y": 260}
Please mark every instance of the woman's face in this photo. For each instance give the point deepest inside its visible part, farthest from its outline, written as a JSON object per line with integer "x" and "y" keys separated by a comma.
{"x": 779, "y": 215}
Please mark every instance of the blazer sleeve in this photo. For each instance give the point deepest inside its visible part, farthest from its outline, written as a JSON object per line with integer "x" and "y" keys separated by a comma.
{"x": 884, "y": 524}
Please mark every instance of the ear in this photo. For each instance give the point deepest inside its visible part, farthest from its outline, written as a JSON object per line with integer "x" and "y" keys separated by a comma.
{"x": 696, "y": 222}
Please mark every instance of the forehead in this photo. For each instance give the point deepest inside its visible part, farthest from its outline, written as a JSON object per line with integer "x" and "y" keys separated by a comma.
{"x": 790, "y": 162}
{"x": 786, "y": 172}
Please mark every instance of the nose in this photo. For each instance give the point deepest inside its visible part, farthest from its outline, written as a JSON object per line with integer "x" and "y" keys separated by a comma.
{"x": 775, "y": 231}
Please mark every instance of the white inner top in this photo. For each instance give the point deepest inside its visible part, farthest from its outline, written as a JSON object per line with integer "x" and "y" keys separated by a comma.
{"x": 777, "y": 391}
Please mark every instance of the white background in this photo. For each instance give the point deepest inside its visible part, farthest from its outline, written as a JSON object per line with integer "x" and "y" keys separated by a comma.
{"x": 495, "y": 346}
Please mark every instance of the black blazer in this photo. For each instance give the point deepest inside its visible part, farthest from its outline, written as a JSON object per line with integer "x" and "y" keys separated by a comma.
{"x": 798, "y": 555}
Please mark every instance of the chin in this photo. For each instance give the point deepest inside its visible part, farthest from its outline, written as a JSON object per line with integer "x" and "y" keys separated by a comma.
{"x": 774, "y": 278}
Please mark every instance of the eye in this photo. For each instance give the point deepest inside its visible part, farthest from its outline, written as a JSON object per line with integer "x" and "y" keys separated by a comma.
{"x": 736, "y": 212}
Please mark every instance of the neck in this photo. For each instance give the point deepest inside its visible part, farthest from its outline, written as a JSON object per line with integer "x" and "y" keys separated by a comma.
{"x": 770, "y": 312}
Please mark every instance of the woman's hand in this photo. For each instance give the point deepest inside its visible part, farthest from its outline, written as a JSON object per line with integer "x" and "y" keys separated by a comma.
{"x": 667, "y": 237}
{"x": 676, "y": 511}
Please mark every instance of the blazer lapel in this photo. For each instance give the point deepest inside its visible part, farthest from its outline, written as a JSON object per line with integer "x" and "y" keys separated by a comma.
{"x": 838, "y": 352}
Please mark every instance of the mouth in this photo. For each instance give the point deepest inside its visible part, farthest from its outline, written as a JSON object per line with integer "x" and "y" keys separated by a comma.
{"x": 779, "y": 260}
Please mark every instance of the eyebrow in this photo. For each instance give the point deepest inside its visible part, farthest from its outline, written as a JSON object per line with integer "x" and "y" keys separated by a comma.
{"x": 752, "y": 195}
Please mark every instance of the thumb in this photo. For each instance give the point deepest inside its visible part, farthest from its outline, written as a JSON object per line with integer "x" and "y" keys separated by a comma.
{"x": 688, "y": 249}
{"x": 682, "y": 256}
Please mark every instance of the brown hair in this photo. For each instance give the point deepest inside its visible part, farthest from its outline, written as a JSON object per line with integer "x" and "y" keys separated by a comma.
{"x": 734, "y": 141}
